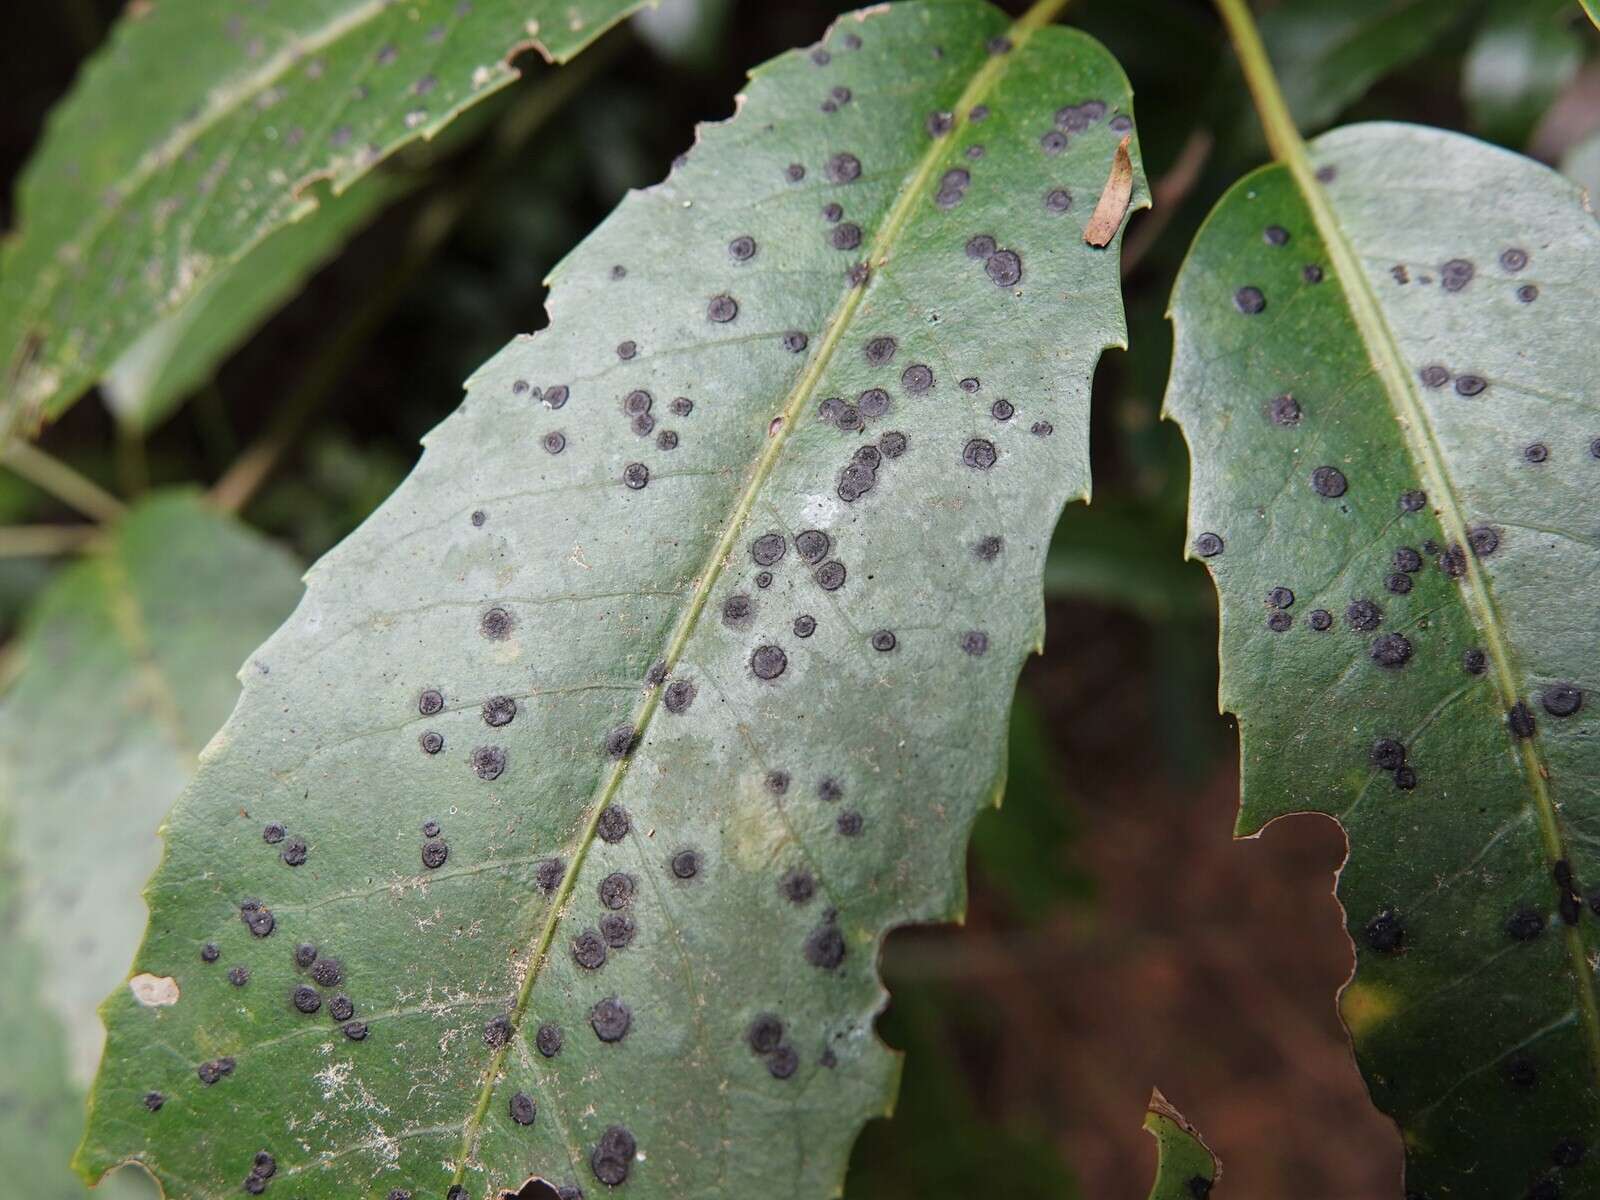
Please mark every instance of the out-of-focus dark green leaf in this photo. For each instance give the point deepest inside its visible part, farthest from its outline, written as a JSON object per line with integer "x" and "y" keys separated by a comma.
{"x": 127, "y": 666}
{"x": 1524, "y": 54}
{"x": 1121, "y": 554}
{"x": 1185, "y": 1167}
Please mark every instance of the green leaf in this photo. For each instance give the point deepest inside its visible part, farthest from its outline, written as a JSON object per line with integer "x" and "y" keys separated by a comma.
{"x": 1592, "y": 7}
{"x": 152, "y": 181}
{"x": 791, "y": 793}
{"x": 1428, "y": 387}
{"x": 1329, "y": 55}
{"x": 1524, "y": 55}
{"x": 1185, "y": 1167}
{"x": 128, "y": 666}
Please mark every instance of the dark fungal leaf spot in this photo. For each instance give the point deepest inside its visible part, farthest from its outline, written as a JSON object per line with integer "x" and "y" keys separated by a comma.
{"x": 848, "y": 823}
{"x": 1320, "y": 619}
{"x": 1405, "y": 779}
{"x": 666, "y": 440}
{"x": 1053, "y": 142}
{"x": 1363, "y": 615}
{"x": 1391, "y": 650}
{"x": 589, "y": 950}
{"x": 496, "y": 624}
{"x": 939, "y": 123}
{"x": 1453, "y": 562}
{"x": 327, "y": 972}
{"x": 499, "y": 710}
{"x": 1275, "y": 235}
{"x": 612, "y": 1156}
{"x": 637, "y": 402}
{"x": 488, "y": 762}
{"x": 1527, "y": 293}
{"x": 627, "y": 350}
{"x": 737, "y": 610}
{"x": 305, "y": 999}
{"x": 1562, "y": 699}
{"x": 643, "y": 425}
{"x": 917, "y": 378}
{"x": 1521, "y": 1072}
{"x": 1407, "y": 559}
{"x": 776, "y": 782}
{"x": 1249, "y": 300}
{"x": 971, "y": 384}
{"x": 434, "y": 854}
{"x": 797, "y": 886}
{"x": 846, "y": 236}
{"x": 880, "y": 350}
{"x": 429, "y": 703}
{"x": 548, "y": 1040}
{"x": 210, "y": 952}
{"x": 1520, "y": 720}
{"x": 239, "y": 976}
{"x": 1002, "y": 410}
{"x": 548, "y": 873}
{"x": 1470, "y": 385}
{"x": 1284, "y": 410}
{"x": 844, "y": 168}
{"x": 764, "y": 1034}
{"x": 685, "y": 864}
{"x": 554, "y": 442}
{"x": 616, "y": 891}
{"x": 999, "y": 44}
{"x": 805, "y": 625}
{"x": 825, "y": 947}
{"x": 858, "y": 274}
{"x": 873, "y": 403}
{"x": 1473, "y": 662}
{"x": 1398, "y": 583}
{"x": 679, "y": 695}
{"x": 1329, "y": 482}
{"x": 555, "y": 397}
{"x": 1004, "y": 268}
{"x": 1524, "y": 925}
{"x": 830, "y": 576}
{"x": 635, "y": 476}
{"x": 356, "y": 1031}
{"x": 657, "y": 674}
{"x": 1413, "y": 501}
{"x": 259, "y": 920}
{"x": 304, "y": 955}
{"x": 975, "y": 642}
{"x": 1386, "y": 932}
{"x": 742, "y": 248}
{"x": 341, "y": 1008}
{"x": 768, "y": 662}
{"x": 883, "y": 641}
{"x": 1199, "y": 1187}
{"x": 217, "y": 1068}
{"x": 294, "y": 852}
{"x": 979, "y": 454}
{"x": 1484, "y": 540}
{"x": 273, "y": 833}
{"x": 722, "y": 309}
{"x": 153, "y": 1101}
{"x": 522, "y": 1108}
{"x": 830, "y": 790}
{"x": 794, "y": 172}
{"x": 1455, "y": 274}
{"x": 1570, "y": 908}
{"x": 1208, "y": 545}
{"x": 1279, "y": 621}
{"x": 617, "y": 929}
{"x": 1280, "y": 597}
{"x": 431, "y": 742}
{"x": 1311, "y": 273}
{"x": 892, "y": 443}
{"x": 1536, "y": 452}
{"x": 614, "y": 824}
{"x": 610, "y": 1019}
{"x": 1513, "y": 259}
{"x": 1387, "y": 754}
{"x": 783, "y": 1062}
{"x": 479, "y": 517}
{"x": 1041, "y": 429}
{"x": 981, "y": 246}
{"x": 620, "y": 741}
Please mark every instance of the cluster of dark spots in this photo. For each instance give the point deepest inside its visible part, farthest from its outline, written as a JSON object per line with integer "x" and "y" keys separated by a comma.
{"x": 305, "y": 999}
{"x": 1041, "y": 429}
{"x": 1455, "y": 274}
{"x": 1562, "y": 699}
{"x": 824, "y": 946}
{"x": 239, "y": 976}
{"x": 1474, "y": 662}
{"x": 953, "y": 186}
{"x": 488, "y": 762}
{"x": 1386, "y": 932}
{"x": 1363, "y": 615}
{"x": 1275, "y": 235}
{"x": 495, "y": 624}
{"x": 217, "y": 1068}
{"x": 431, "y": 741}
{"x": 613, "y": 824}
{"x": 499, "y": 710}
{"x": 830, "y": 576}
{"x": 210, "y": 952}
{"x": 1208, "y": 545}
{"x": 341, "y": 1008}
{"x": 1320, "y": 619}
{"x": 1519, "y": 719}
{"x": 617, "y": 929}
{"x": 548, "y": 1040}
{"x": 883, "y": 641}
{"x": 1391, "y": 650}
{"x": 979, "y": 454}
{"x": 805, "y": 625}
{"x": 154, "y": 1100}
{"x": 548, "y": 873}
{"x": 609, "y": 1019}
{"x": 1470, "y": 385}
{"x": 1249, "y": 300}
{"x": 262, "y": 1168}
{"x": 1284, "y": 410}
{"x": 679, "y": 695}
{"x": 848, "y": 823}
{"x": 767, "y": 662}
{"x": 1400, "y": 274}
{"x": 522, "y": 1108}
{"x": 1535, "y": 452}
{"x": 1389, "y": 755}
{"x": 1199, "y": 1187}
{"x": 304, "y": 955}
{"x": 685, "y": 864}
{"x": 1413, "y": 501}
{"x": 975, "y": 642}
{"x": 612, "y": 1156}
{"x": 434, "y": 853}
{"x": 620, "y": 741}
{"x": 1524, "y": 925}
{"x": 797, "y": 886}
{"x": 258, "y": 918}
{"x": 1329, "y": 482}
{"x": 1057, "y": 200}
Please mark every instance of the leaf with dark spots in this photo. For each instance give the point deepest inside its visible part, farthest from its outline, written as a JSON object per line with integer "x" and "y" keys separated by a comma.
{"x": 703, "y": 673}
{"x": 125, "y": 668}
{"x": 153, "y": 184}
{"x": 1419, "y": 721}
{"x": 1186, "y": 1169}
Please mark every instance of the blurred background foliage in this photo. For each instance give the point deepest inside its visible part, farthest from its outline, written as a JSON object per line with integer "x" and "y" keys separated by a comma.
{"x": 1116, "y": 937}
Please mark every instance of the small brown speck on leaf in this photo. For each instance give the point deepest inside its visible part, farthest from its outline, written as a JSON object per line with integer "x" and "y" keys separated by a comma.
{"x": 1113, "y": 205}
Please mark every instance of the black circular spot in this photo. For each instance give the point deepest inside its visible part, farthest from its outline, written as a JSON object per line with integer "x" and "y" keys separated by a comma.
{"x": 1407, "y": 559}
{"x": 776, "y": 782}
{"x": 892, "y": 443}
{"x": 1524, "y": 925}
{"x": 1398, "y": 583}
{"x": 1208, "y": 545}
{"x": 589, "y": 950}
{"x": 341, "y": 1008}
{"x": 1474, "y": 662}
{"x": 768, "y": 662}
{"x": 1536, "y": 452}
{"x": 273, "y": 832}
{"x": 548, "y": 1040}
{"x": 488, "y": 762}
{"x": 1249, "y": 300}
{"x": 1387, "y": 754}
{"x": 1527, "y": 293}
{"x": 883, "y": 641}
{"x": 1405, "y": 779}
{"x": 916, "y": 378}
{"x": 1413, "y": 501}
{"x": 979, "y": 454}
{"x": 239, "y": 976}
{"x": 1279, "y": 621}
{"x": 614, "y": 824}
{"x": 210, "y": 952}
{"x": 1284, "y": 410}
{"x": 1057, "y": 200}
{"x": 1484, "y": 540}
{"x": 1391, "y": 650}
{"x": 797, "y": 886}
{"x": 1053, "y": 142}
{"x": 429, "y": 703}
{"x": 1275, "y": 235}
{"x": 617, "y": 929}
{"x": 1363, "y": 615}
{"x": 1470, "y": 385}
{"x": 1455, "y": 274}
{"x": 635, "y": 476}
{"x": 939, "y": 123}
{"x": 830, "y": 576}
{"x": 844, "y": 168}
{"x": 1569, "y": 1151}
{"x": 434, "y": 854}
{"x": 825, "y": 947}
{"x": 1513, "y": 259}
{"x": 1004, "y": 268}
{"x": 522, "y": 1108}
{"x": 679, "y": 695}
{"x": 981, "y": 246}
{"x": 496, "y": 624}
{"x": 1311, "y": 273}
{"x": 1320, "y": 619}
{"x": 554, "y": 442}
{"x": 1328, "y": 481}
{"x": 1280, "y": 597}
{"x": 1002, "y": 410}
{"x": 556, "y": 396}
{"x": 880, "y": 350}
{"x": 805, "y": 625}
{"x": 305, "y": 999}
{"x": 685, "y": 864}
{"x": 1434, "y": 375}
{"x": 431, "y": 742}
{"x": 612, "y": 1156}
{"x": 742, "y": 248}
{"x": 975, "y": 642}
{"x": 1562, "y": 699}
{"x": 610, "y": 1019}
{"x": 764, "y": 1033}
{"x": 499, "y": 710}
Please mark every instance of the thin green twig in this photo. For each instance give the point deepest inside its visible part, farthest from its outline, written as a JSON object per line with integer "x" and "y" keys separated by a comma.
{"x": 61, "y": 481}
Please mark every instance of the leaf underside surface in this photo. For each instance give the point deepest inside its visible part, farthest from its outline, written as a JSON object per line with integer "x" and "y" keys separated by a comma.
{"x": 129, "y": 660}
{"x": 201, "y": 129}
{"x": 674, "y": 676}
{"x": 1396, "y": 469}
{"x": 1185, "y": 1167}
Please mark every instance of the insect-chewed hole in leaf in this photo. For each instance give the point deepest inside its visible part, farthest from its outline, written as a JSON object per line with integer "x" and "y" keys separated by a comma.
{"x": 548, "y": 873}
{"x": 614, "y": 824}
{"x": 1391, "y": 650}
{"x": 1386, "y": 932}
{"x": 610, "y": 1019}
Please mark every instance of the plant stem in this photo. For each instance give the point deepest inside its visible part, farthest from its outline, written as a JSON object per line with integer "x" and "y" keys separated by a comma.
{"x": 62, "y": 482}
{"x": 44, "y": 541}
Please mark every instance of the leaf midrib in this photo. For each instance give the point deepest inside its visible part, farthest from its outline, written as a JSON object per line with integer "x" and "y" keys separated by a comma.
{"x": 1422, "y": 443}
{"x": 1041, "y": 14}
